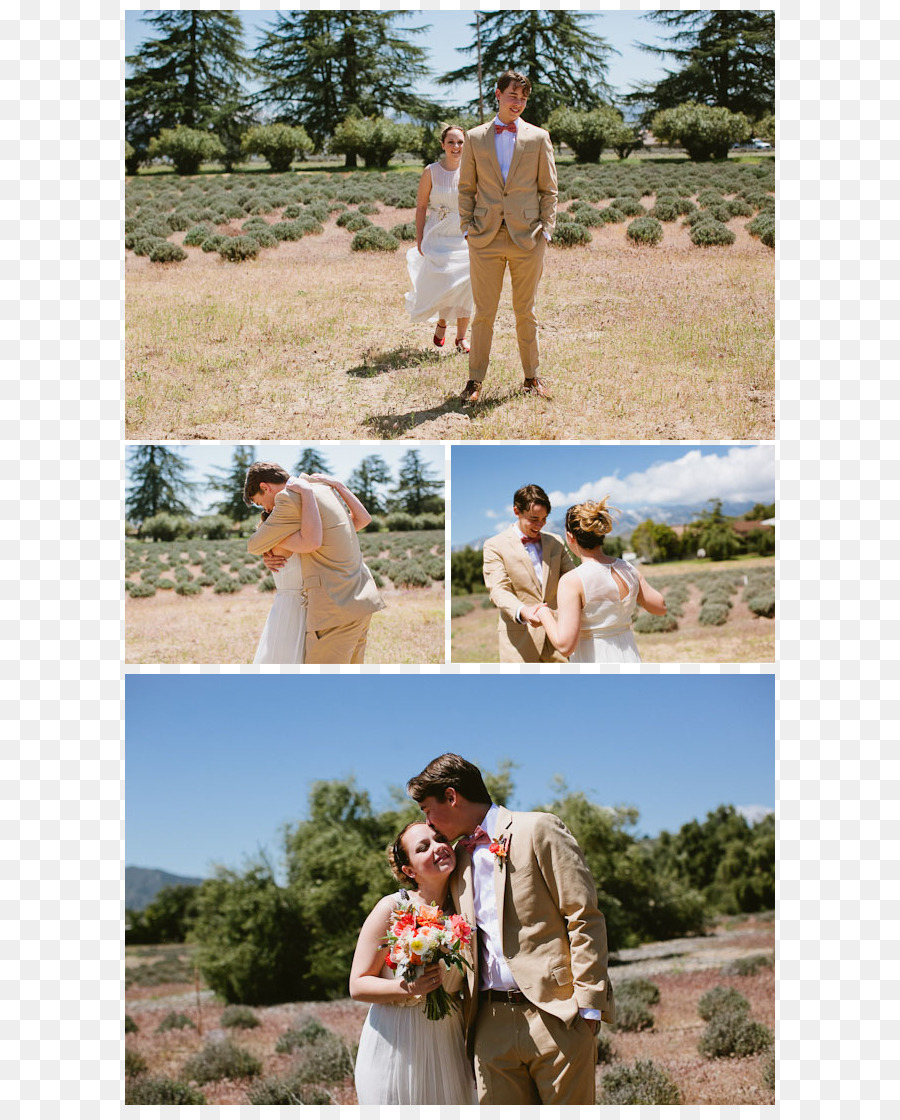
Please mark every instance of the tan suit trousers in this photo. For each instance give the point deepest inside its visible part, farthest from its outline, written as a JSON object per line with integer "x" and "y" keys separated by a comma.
{"x": 526, "y": 1056}
{"x": 338, "y": 645}
{"x": 487, "y": 265}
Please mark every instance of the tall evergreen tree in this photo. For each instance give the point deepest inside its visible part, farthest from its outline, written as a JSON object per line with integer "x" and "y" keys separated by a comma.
{"x": 312, "y": 462}
{"x": 565, "y": 62}
{"x": 319, "y": 67}
{"x": 417, "y": 491}
{"x": 230, "y": 482}
{"x": 368, "y": 480}
{"x": 189, "y": 75}
{"x": 159, "y": 483}
{"x": 726, "y": 58}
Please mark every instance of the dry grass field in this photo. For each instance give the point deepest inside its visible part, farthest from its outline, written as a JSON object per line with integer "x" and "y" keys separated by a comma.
{"x": 744, "y": 637}
{"x": 683, "y": 970}
{"x": 311, "y": 341}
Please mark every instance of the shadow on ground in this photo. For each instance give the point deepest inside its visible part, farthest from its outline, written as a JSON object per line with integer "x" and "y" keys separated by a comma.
{"x": 402, "y": 357}
{"x": 391, "y": 425}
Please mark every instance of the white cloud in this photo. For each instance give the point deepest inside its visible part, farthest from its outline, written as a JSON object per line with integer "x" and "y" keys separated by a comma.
{"x": 740, "y": 474}
{"x": 754, "y": 813}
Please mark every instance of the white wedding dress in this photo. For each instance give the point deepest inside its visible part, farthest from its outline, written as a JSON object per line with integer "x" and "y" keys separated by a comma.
{"x": 441, "y": 288}
{"x": 606, "y": 635}
{"x": 283, "y": 638}
{"x": 405, "y": 1058}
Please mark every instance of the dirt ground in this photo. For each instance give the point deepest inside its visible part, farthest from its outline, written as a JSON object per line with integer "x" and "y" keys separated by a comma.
{"x": 682, "y": 969}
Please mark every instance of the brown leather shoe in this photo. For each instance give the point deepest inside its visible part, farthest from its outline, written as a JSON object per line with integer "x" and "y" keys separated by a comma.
{"x": 471, "y": 392}
{"x": 535, "y": 386}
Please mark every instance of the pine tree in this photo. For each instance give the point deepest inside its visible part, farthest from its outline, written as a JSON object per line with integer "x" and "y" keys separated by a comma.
{"x": 367, "y": 482}
{"x": 565, "y": 62}
{"x": 312, "y": 462}
{"x": 190, "y": 75}
{"x": 319, "y": 67}
{"x": 230, "y": 482}
{"x": 158, "y": 483}
{"x": 416, "y": 491}
{"x": 727, "y": 59}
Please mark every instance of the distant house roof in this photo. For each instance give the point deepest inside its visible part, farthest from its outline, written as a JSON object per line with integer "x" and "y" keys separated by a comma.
{"x": 749, "y": 526}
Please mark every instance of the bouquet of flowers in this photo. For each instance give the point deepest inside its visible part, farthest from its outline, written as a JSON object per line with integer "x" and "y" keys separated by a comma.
{"x": 420, "y": 937}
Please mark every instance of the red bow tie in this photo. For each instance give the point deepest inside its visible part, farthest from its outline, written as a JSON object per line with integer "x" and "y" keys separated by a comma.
{"x": 511, "y": 127}
{"x": 470, "y": 843}
{"x": 530, "y": 540}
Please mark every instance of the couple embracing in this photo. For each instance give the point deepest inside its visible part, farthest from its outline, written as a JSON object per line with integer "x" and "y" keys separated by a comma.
{"x": 537, "y": 988}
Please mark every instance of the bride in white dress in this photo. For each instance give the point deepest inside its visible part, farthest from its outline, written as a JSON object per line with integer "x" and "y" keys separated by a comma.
{"x": 439, "y": 264}
{"x": 405, "y": 1058}
{"x": 596, "y": 601}
{"x": 283, "y": 640}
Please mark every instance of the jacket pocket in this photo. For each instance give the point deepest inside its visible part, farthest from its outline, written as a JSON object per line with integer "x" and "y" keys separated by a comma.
{"x": 562, "y": 974}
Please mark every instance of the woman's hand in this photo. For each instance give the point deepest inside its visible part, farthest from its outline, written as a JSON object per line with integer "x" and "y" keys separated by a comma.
{"x": 325, "y": 480}
{"x": 300, "y": 486}
{"x": 429, "y": 981}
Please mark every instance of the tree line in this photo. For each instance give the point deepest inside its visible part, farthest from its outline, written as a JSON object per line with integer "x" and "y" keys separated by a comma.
{"x": 346, "y": 82}
{"x": 710, "y": 534}
{"x": 160, "y": 501}
{"x": 261, "y": 940}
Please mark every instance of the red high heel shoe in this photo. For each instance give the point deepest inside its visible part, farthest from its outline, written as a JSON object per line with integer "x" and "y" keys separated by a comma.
{"x": 439, "y": 340}
{"x": 462, "y": 345}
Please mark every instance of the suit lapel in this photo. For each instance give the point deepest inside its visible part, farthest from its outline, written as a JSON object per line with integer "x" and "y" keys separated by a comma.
{"x": 521, "y": 133}
{"x": 490, "y": 150}
{"x": 547, "y": 546}
{"x": 521, "y": 554}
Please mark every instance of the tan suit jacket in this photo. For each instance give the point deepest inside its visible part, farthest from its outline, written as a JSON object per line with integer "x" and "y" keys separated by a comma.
{"x": 526, "y": 201}
{"x": 553, "y": 934}
{"x": 511, "y": 581}
{"x": 339, "y": 586}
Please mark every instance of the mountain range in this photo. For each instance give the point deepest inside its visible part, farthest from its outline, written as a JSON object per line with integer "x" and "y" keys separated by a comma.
{"x": 629, "y": 519}
{"x": 143, "y": 884}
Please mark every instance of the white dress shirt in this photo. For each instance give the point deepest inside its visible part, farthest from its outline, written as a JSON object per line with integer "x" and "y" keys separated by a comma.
{"x": 505, "y": 145}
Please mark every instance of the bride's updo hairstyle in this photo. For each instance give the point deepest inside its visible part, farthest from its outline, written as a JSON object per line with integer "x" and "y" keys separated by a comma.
{"x": 589, "y": 523}
{"x": 398, "y": 858}
{"x": 450, "y": 128}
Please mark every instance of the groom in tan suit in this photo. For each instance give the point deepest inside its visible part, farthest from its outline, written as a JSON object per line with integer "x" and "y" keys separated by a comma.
{"x": 522, "y": 566}
{"x": 507, "y": 211}
{"x": 341, "y": 593}
{"x": 539, "y": 986}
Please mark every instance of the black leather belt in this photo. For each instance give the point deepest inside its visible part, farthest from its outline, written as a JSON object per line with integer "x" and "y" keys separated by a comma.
{"x": 490, "y": 995}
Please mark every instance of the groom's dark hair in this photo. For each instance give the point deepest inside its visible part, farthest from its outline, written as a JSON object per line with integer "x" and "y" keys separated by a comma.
{"x": 262, "y": 472}
{"x": 514, "y": 78}
{"x": 527, "y": 496}
{"x": 449, "y": 771}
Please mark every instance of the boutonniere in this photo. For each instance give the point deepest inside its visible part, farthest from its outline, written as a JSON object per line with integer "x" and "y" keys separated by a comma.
{"x": 500, "y": 849}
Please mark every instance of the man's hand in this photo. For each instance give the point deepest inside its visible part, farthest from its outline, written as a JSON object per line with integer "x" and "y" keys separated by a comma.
{"x": 529, "y": 614}
{"x": 272, "y": 562}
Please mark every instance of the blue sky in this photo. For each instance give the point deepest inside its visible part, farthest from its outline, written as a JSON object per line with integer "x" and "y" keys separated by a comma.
{"x": 484, "y": 478}
{"x": 343, "y": 456}
{"x": 214, "y": 768}
{"x": 449, "y": 30}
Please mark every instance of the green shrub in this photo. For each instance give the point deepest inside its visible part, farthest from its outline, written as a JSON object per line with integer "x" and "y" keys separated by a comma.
{"x": 142, "y": 246}
{"x": 187, "y": 148}
{"x": 188, "y": 588}
{"x": 161, "y": 1090}
{"x": 374, "y": 239}
{"x": 732, "y": 1034}
{"x": 175, "y": 1021}
{"x": 241, "y": 1018}
{"x": 135, "y": 1063}
{"x": 357, "y": 222}
{"x": 714, "y": 613}
{"x": 369, "y": 208}
{"x": 627, "y": 206}
{"x": 218, "y": 1060}
{"x": 323, "y": 1060}
{"x": 665, "y": 211}
{"x": 642, "y": 1083}
{"x": 632, "y": 1014}
{"x": 721, "y": 1000}
{"x": 645, "y": 231}
{"x": 605, "y": 1050}
{"x": 612, "y": 214}
{"x": 305, "y": 1030}
{"x": 346, "y": 217}
{"x": 267, "y": 583}
{"x": 278, "y": 144}
{"x": 196, "y": 235}
{"x": 264, "y": 239}
{"x": 213, "y": 243}
{"x": 768, "y": 1070}
{"x": 571, "y": 233}
{"x": 763, "y": 605}
{"x": 239, "y": 249}
{"x": 738, "y": 208}
{"x": 400, "y": 521}
{"x": 165, "y": 584}
{"x": 164, "y": 252}
{"x": 408, "y": 573}
{"x": 459, "y": 607}
{"x": 131, "y": 1026}
{"x": 711, "y": 232}
{"x": 654, "y": 623}
{"x": 141, "y": 590}
{"x": 747, "y": 966}
{"x": 226, "y": 586}
{"x": 585, "y": 215}
{"x": 294, "y": 231}
{"x": 286, "y": 1090}
{"x": 638, "y": 988}
{"x": 404, "y": 231}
